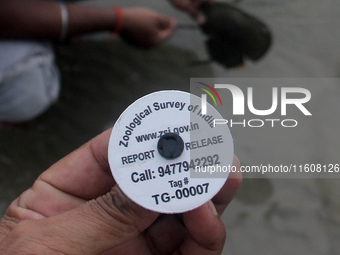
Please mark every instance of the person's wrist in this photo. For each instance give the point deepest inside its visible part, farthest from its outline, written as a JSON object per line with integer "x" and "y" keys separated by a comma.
{"x": 129, "y": 20}
{"x": 119, "y": 17}
{"x": 64, "y": 21}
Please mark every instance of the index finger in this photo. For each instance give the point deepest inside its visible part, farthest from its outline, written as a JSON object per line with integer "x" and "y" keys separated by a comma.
{"x": 85, "y": 173}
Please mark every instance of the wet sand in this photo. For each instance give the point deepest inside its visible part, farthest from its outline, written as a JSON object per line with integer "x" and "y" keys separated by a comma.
{"x": 268, "y": 216}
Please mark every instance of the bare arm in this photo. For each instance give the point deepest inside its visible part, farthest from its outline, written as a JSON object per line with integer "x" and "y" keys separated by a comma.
{"x": 42, "y": 19}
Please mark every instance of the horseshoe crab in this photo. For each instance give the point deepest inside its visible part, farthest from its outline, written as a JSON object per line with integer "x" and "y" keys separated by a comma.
{"x": 234, "y": 34}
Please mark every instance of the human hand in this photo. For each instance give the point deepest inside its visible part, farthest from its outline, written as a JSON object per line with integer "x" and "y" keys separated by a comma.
{"x": 144, "y": 27}
{"x": 75, "y": 207}
{"x": 191, "y": 7}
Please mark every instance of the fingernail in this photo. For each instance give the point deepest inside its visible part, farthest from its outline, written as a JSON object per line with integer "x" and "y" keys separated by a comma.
{"x": 212, "y": 208}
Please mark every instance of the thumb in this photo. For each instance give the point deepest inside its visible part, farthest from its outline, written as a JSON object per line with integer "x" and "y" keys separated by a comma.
{"x": 166, "y": 27}
{"x": 96, "y": 226}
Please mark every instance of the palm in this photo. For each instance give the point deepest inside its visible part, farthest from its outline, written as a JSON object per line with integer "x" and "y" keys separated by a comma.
{"x": 84, "y": 175}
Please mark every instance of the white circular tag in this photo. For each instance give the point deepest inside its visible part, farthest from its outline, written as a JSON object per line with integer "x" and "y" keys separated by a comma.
{"x": 160, "y": 146}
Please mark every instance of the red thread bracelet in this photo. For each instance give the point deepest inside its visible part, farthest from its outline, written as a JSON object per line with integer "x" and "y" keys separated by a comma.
{"x": 119, "y": 19}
